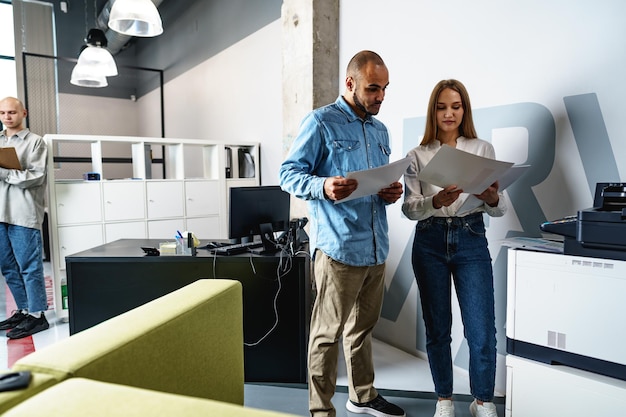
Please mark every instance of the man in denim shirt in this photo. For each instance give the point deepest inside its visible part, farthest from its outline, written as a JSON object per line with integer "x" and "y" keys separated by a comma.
{"x": 349, "y": 241}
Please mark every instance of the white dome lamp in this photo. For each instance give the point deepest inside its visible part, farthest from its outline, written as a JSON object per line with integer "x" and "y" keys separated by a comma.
{"x": 135, "y": 18}
{"x": 85, "y": 79}
{"x": 95, "y": 62}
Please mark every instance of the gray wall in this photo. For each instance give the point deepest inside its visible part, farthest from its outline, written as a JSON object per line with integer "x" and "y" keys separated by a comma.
{"x": 194, "y": 31}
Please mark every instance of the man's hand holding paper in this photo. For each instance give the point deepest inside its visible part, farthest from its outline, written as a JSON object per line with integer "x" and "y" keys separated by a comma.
{"x": 382, "y": 181}
{"x": 337, "y": 188}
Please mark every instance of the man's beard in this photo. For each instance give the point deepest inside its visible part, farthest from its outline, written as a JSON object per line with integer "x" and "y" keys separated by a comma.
{"x": 360, "y": 105}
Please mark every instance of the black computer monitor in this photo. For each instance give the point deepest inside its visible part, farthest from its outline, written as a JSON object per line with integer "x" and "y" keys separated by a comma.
{"x": 251, "y": 207}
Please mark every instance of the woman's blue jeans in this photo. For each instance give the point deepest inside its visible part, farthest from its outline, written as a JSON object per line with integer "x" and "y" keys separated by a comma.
{"x": 457, "y": 247}
{"x": 21, "y": 263}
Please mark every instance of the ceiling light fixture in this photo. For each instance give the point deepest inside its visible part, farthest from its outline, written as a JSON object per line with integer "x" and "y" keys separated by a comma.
{"x": 84, "y": 79}
{"x": 95, "y": 63}
{"x": 135, "y": 18}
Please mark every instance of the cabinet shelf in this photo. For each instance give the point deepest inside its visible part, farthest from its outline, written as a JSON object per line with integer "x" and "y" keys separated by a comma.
{"x": 148, "y": 188}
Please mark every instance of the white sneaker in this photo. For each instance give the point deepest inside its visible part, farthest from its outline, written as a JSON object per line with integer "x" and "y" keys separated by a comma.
{"x": 444, "y": 408}
{"x": 483, "y": 410}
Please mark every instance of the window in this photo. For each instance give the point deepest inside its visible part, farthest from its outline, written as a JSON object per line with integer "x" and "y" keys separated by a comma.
{"x": 8, "y": 87}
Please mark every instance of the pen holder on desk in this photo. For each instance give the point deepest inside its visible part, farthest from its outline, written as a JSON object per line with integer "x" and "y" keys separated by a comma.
{"x": 182, "y": 247}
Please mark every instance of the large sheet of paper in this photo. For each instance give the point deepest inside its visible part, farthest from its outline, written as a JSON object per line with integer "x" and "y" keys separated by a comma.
{"x": 508, "y": 178}
{"x": 8, "y": 159}
{"x": 371, "y": 181}
{"x": 472, "y": 173}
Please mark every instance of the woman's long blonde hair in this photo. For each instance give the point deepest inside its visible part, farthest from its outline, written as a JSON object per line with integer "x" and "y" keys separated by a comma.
{"x": 466, "y": 128}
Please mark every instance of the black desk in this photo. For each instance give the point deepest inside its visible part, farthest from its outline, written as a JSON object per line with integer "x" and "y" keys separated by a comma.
{"x": 108, "y": 280}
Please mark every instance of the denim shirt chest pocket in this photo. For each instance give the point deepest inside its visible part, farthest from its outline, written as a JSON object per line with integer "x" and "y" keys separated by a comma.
{"x": 347, "y": 155}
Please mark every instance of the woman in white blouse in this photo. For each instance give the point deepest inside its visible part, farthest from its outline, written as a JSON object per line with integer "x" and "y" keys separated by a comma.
{"x": 450, "y": 247}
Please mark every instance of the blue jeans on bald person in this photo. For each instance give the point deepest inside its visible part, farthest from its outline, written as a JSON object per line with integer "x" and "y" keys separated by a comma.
{"x": 21, "y": 263}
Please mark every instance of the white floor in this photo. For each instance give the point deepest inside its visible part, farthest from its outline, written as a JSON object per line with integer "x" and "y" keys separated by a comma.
{"x": 12, "y": 350}
{"x": 398, "y": 370}
{"x": 59, "y": 329}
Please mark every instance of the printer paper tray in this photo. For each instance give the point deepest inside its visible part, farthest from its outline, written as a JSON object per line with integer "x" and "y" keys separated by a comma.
{"x": 560, "y": 357}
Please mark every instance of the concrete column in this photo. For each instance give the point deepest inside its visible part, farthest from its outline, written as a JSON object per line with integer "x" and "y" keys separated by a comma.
{"x": 310, "y": 65}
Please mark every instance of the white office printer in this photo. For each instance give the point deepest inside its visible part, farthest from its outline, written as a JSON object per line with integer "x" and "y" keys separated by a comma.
{"x": 567, "y": 310}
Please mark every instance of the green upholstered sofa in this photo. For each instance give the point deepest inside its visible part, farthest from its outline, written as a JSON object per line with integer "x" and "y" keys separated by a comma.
{"x": 78, "y": 397}
{"x": 180, "y": 350}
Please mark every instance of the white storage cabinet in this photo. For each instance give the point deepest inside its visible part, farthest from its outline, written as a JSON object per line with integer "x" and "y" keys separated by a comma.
{"x": 143, "y": 202}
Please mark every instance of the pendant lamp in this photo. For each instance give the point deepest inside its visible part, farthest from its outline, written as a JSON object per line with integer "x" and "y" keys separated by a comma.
{"x": 85, "y": 79}
{"x": 135, "y": 18}
{"x": 95, "y": 62}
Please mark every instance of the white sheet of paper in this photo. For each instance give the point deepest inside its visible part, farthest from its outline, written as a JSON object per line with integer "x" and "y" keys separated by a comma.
{"x": 371, "y": 181}
{"x": 508, "y": 178}
{"x": 472, "y": 173}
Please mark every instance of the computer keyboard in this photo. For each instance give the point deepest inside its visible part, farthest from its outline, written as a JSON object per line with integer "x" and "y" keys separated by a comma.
{"x": 236, "y": 248}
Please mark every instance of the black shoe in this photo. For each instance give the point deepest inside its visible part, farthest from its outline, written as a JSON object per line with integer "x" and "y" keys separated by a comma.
{"x": 12, "y": 321}
{"x": 378, "y": 407}
{"x": 30, "y": 325}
